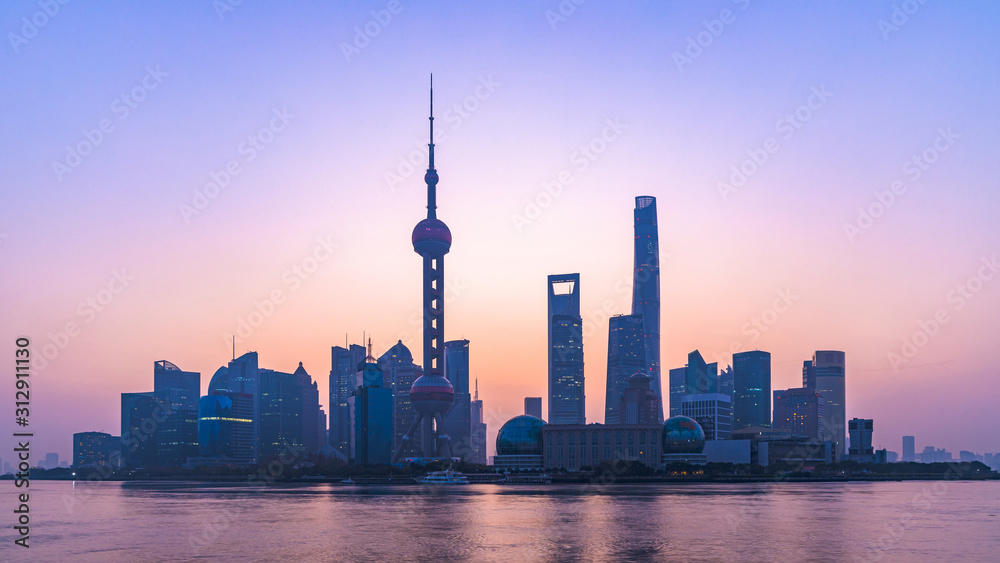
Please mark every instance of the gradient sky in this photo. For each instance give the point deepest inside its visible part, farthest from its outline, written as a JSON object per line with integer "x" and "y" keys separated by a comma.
{"x": 547, "y": 85}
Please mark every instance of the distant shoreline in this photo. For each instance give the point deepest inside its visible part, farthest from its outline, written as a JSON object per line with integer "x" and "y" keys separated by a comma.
{"x": 556, "y": 480}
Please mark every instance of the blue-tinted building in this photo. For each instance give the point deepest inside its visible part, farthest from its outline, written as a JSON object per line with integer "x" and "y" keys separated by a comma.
{"x": 678, "y": 388}
{"x": 646, "y": 287}
{"x": 372, "y": 406}
{"x": 751, "y": 389}
{"x": 799, "y": 411}
{"x": 178, "y": 432}
{"x": 142, "y": 416}
{"x": 712, "y": 411}
{"x": 700, "y": 377}
{"x": 830, "y": 368}
{"x": 519, "y": 443}
{"x": 567, "y": 403}
{"x": 399, "y": 371}
{"x": 458, "y": 418}
{"x": 225, "y": 427}
{"x": 288, "y": 409}
{"x": 96, "y": 449}
{"x": 344, "y": 364}
{"x": 626, "y": 356}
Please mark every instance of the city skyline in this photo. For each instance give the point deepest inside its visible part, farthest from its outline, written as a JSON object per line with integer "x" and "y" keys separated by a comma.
{"x": 319, "y": 216}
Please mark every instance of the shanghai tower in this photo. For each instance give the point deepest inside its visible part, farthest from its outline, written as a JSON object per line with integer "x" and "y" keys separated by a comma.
{"x": 431, "y": 394}
{"x": 646, "y": 288}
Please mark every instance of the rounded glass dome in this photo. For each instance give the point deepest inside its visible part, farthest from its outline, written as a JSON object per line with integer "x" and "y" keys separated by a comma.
{"x": 682, "y": 435}
{"x": 521, "y": 435}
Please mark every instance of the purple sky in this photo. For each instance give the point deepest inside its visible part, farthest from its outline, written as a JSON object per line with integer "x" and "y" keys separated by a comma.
{"x": 315, "y": 118}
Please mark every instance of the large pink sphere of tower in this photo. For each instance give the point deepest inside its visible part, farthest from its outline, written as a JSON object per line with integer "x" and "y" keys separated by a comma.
{"x": 431, "y": 394}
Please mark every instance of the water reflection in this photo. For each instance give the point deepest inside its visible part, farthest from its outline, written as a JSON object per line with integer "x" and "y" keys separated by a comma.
{"x": 326, "y": 522}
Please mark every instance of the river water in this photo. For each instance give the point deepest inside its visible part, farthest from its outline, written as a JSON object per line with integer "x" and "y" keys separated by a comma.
{"x": 857, "y": 521}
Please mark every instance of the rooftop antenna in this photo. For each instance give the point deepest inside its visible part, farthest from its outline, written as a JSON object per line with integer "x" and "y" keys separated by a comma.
{"x": 477, "y": 390}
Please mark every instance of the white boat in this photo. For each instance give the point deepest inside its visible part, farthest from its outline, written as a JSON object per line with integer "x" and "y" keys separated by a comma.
{"x": 347, "y": 481}
{"x": 448, "y": 477}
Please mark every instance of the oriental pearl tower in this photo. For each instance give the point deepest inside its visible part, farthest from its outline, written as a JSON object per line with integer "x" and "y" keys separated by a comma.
{"x": 431, "y": 394}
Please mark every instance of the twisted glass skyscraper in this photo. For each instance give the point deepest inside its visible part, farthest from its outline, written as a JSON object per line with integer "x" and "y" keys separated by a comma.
{"x": 646, "y": 287}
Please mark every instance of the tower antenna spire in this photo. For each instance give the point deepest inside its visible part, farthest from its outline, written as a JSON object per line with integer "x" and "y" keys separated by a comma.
{"x": 431, "y": 177}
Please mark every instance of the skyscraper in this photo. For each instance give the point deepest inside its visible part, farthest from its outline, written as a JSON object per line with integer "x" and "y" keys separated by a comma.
{"x": 288, "y": 406}
{"x": 478, "y": 430}
{"x": 343, "y": 374}
{"x": 808, "y": 375}
{"x": 700, "y": 377}
{"x": 908, "y": 448}
{"x": 372, "y": 416}
{"x": 533, "y": 406}
{"x": 829, "y": 366}
{"x": 800, "y": 411}
{"x": 638, "y": 404}
{"x": 678, "y": 388}
{"x": 241, "y": 376}
{"x": 725, "y": 382}
{"x": 400, "y": 372}
{"x": 139, "y": 430}
{"x": 712, "y": 411}
{"x": 432, "y": 394}
{"x": 861, "y": 440}
{"x": 646, "y": 287}
{"x": 178, "y": 431}
{"x": 751, "y": 389}
{"x": 458, "y": 421}
{"x": 226, "y": 427}
{"x": 626, "y": 356}
{"x": 565, "y": 327}
{"x": 96, "y": 449}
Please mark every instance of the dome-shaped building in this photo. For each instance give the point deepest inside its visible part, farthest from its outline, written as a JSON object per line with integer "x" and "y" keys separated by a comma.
{"x": 683, "y": 440}
{"x": 519, "y": 443}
